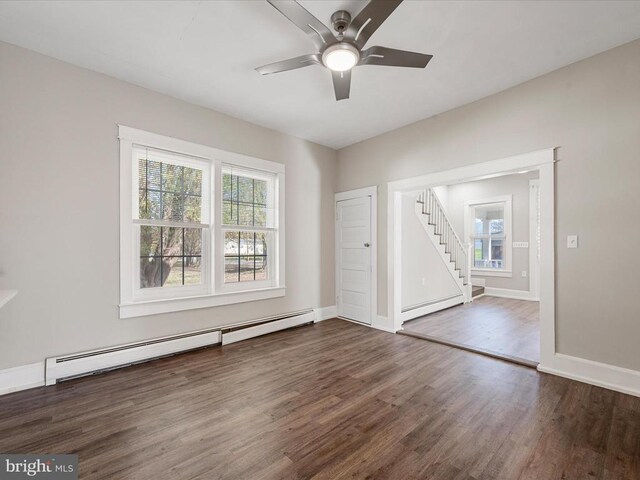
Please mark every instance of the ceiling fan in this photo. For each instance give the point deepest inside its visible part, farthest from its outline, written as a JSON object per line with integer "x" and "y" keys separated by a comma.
{"x": 342, "y": 51}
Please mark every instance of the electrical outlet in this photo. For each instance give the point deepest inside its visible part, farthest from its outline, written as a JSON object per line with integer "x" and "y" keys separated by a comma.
{"x": 524, "y": 273}
{"x": 572, "y": 241}
{"x": 424, "y": 281}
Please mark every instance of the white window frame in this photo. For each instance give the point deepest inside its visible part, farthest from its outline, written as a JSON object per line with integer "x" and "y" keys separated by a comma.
{"x": 133, "y": 301}
{"x": 469, "y": 219}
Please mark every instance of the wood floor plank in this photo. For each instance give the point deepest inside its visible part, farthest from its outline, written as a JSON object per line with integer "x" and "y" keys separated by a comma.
{"x": 329, "y": 401}
{"x": 488, "y": 324}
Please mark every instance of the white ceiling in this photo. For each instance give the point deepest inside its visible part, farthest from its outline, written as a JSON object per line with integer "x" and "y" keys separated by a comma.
{"x": 205, "y": 52}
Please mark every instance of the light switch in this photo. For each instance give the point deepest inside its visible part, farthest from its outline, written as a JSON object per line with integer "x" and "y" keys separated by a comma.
{"x": 572, "y": 241}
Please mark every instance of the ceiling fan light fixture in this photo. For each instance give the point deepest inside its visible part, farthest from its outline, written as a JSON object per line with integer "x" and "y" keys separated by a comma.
{"x": 340, "y": 57}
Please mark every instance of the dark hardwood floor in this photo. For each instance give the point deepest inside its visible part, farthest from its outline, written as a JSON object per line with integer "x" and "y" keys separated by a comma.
{"x": 333, "y": 400}
{"x": 500, "y": 325}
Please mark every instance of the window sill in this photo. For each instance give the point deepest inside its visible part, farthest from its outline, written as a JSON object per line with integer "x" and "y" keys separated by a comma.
{"x": 140, "y": 309}
{"x": 490, "y": 273}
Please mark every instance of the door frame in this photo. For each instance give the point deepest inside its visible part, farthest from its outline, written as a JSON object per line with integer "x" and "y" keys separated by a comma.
{"x": 349, "y": 195}
{"x": 541, "y": 160}
{"x": 534, "y": 264}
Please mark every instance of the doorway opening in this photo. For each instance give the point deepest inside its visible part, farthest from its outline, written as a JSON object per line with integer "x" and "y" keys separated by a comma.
{"x": 471, "y": 255}
{"x": 496, "y": 217}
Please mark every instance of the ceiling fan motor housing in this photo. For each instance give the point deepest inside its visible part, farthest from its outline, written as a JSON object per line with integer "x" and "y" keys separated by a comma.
{"x": 340, "y": 21}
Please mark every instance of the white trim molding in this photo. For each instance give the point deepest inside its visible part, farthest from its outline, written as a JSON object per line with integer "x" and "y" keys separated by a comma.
{"x": 21, "y": 378}
{"x": 139, "y": 309}
{"x": 509, "y": 293}
{"x": 325, "y": 313}
{"x": 603, "y": 375}
{"x": 381, "y": 323}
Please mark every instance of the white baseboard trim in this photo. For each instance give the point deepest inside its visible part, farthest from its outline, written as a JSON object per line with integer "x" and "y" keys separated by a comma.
{"x": 382, "y": 324}
{"x": 21, "y": 378}
{"x": 509, "y": 293}
{"x": 325, "y": 313}
{"x": 604, "y": 375}
{"x": 433, "y": 307}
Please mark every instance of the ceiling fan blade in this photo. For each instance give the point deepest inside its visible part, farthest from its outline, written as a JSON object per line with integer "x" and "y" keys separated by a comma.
{"x": 341, "y": 84}
{"x": 369, "y": 20}
{"x": 290, "y": 64}
{"x": 296, "y": 13}
{"x": 394, "y": 58}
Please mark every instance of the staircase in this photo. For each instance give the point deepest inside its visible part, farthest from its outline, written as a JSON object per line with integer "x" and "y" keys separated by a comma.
{"x": 455, "y": 254}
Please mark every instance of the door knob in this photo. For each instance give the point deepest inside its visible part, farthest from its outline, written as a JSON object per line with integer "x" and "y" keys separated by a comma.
{"x": 366, "y": 245}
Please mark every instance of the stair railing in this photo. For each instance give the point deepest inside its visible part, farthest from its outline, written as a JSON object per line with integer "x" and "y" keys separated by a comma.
{"x": 461, "y": 254}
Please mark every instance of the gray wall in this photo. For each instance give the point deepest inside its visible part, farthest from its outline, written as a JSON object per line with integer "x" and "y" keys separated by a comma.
{"x": 425, "y": 277}
{"x": 518, "y": 187}
{"x": 591, "y": 111}
{"x": 59, "y": 207}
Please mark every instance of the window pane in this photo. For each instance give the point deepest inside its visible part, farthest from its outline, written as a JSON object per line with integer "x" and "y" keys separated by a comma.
{"x": 231, "y": 243}
{"x": 192, "y": 271}
{"x": 260, "y": 192}
{"x": 193, "y": 241}
{"x": 246, "y": 268}
{"x": 192, "y": 181}
{"x": 150, "y": 272}
{"x": 481, "y": 252}
{"x": 246, "y": 243}
{"x": 149, "y": 241}
{"x": 227, "y": 186}
{"x": 245, "y": 256}
{"x": 172, "y": 206}
{"x": 489, "y": 219}
{"x": 497, "y": 253}
{"x": 261, "y": 244}
{"x": 169, "y": 192}
{"x": 260, "y": 216}
{"x": 154, "y": 175}
{"x": 231, "y": 269}
{"x": 192, "y": 208}
{"x": 245, "y": 189}
{"x": 174, "y": 274}
{"x": 245, "y": 214}
{"x": 246, "y": 200}
{"x": 171, "y": 178}
{"x": 261, "y": 268}
{"x": 489, "y": 253}
{"x": 229, "y": 215}
{"x": 142, "y": 174}
{"x": 172, "y": 241}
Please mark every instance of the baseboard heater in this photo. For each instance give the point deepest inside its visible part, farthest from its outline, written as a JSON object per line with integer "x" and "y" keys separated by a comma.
{"x": 80, "y": 364}
{"x": 96, "y": 361}
{"x": 432, "y": 302}
{"x": 238, "y": 332}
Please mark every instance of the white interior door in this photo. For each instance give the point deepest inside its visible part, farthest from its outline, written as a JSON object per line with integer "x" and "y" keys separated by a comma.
{"x": 353, "y": 255}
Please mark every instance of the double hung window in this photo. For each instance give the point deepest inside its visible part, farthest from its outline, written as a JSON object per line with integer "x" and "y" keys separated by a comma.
{"x": 199, "y": 226}
{"x": 488, "y": 228}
